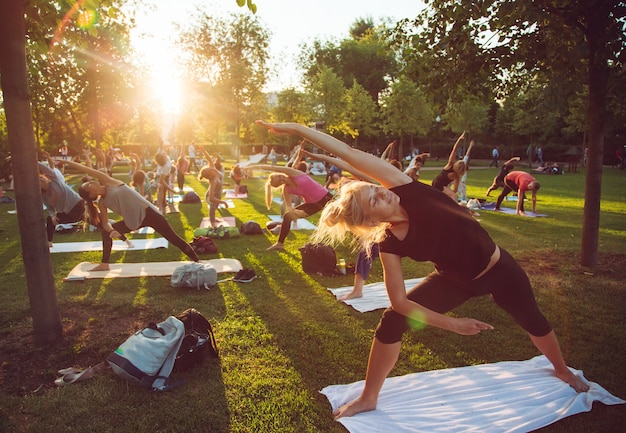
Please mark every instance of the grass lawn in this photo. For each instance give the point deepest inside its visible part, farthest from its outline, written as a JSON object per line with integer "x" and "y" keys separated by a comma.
{"x": 283, "y": 337}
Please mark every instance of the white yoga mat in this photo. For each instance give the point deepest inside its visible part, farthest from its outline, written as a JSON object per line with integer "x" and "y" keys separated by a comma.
{"x": 374, "y": 295}
{"x": 510, "y": 396}
{"x": 144, "y": 231}
{"x": 149, "y": 269}
{"x": 222, "y": 222}
{"x": 230, "y": 193}
{"x": 118, "y": 245}
{"x": 230, "y": 203}
{"x": 300, "y": 224}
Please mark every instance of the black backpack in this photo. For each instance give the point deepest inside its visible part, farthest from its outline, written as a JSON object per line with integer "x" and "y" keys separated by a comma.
{"x": 251, "y": 228}
{"x": 319, "y": 259}
{"x": 198, "y": 342}
{"x": 191, "y": 197}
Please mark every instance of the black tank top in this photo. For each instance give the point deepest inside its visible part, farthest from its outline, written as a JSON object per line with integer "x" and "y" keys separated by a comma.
{"x": 442, "y": 179}
{"x": 440, "y": 231}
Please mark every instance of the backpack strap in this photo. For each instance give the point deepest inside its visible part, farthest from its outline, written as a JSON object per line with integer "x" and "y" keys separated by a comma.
{"x": 199, "y": 322}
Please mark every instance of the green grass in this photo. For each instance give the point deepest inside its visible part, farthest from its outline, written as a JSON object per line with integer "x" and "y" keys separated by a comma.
{"x": 283, "y": 337}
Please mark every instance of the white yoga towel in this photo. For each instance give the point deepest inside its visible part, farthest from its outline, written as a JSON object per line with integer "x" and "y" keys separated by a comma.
{"x": 230, "y": 193}
{"x": 510, "y": 396}
{"x": 222, "y": 222}
{"x": 230, "y": 203}
{"x": 300, "y": 224}
{"x": 118, "y": 245}
{"x": 149, "y": 269}
{"x": 144, "y": 231}
{"x": 374, "y": 295}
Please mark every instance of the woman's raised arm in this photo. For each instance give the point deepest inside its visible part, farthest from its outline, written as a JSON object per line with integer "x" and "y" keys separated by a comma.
{"x": 289, "y": 171}
{"x": 339, "y": 163}
{"x": 104, "y": 178}
{"x": 386, "y": 174}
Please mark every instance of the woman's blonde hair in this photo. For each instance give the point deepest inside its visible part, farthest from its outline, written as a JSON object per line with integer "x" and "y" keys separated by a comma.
{"x": 459, "y": 168}
{"x": 274, "y": 180}
{"x": 347, "y": 214}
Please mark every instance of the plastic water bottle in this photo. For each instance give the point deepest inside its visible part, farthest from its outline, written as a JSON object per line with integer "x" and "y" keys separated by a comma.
{"x": 342, "y": 266}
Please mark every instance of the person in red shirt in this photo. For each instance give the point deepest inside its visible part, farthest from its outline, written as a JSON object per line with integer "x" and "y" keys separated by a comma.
{"x": 520, "y": 182}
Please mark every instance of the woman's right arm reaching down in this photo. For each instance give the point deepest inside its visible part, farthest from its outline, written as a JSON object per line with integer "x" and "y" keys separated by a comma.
{"x": 372, "y": 166}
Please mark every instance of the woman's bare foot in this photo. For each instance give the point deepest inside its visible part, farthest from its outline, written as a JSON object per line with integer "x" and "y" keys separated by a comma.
{"x": 101, "y": 267}
{"x": 351, "y": 295}
{"x": 354, "y": 407}
{"x": 278, "y": 246}
{"x": 574, "y": 381}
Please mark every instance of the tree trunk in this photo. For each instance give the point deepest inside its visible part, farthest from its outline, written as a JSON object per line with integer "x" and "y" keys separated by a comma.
{"x": 35, "y": 252}
{"x": 598, "y": 82}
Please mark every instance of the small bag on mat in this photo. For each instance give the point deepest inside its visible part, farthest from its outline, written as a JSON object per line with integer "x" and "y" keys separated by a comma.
{"x": 194, "y": 275}
{"x": 148, "y": 356}
{"x": 251, "y": 228}
{"x": 203, "y": 245}
{"x": 199, "y": 340}
{"x": 319, "y": 259}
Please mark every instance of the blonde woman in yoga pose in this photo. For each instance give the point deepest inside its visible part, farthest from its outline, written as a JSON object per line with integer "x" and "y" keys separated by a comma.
{"x": 411, "y": 219}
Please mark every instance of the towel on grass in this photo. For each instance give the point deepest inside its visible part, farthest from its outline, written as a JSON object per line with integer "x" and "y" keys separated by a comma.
{"x": 149, "y": 269}
{"x": 118, "y": 245}
{"x": 374, "y": 295}
{"x": 146, "y": 230}
{"x": 221, "y": 222}
{"x": 510, "y": 211}
{"x": 509, "y": 396}
{"x": 230, "y": 193}
{"x": 300, "y": 224}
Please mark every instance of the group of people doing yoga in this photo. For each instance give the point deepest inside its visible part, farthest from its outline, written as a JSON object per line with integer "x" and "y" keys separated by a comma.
{"x": 400, "y": 217}
{"x": 383, "y": 212}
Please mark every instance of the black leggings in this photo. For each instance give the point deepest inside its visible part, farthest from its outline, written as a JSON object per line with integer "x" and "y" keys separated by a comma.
{"x": 308, "y": 208}
{"x": 76, "y": 214}
{"x": 506, "y": 282}
{"x": 159, "y": 224}
{"x": 509, "y": 186}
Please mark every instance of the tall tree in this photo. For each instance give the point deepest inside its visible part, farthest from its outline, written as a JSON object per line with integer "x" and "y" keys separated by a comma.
{"x": 361, "y": 112}
{"x": 232, "y": 55}
{"x": 327, "y": 92}
{"x": 490, "y": 40}
{"x": 406, "y": 111}
{"x": 35, "y": 253}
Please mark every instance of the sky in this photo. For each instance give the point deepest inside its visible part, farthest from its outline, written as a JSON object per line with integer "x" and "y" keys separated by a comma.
{"x": 291, "y": 23}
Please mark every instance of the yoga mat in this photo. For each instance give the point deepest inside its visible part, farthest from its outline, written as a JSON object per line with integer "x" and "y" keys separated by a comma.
{"x": 374, "y": 295}
{"x": 118, "y": 245}
{"x": 510, "y": 211}
{"x": 300, "y": 224}
{"x": 231, "y": 205}
{"x": 150, "y": 269}
{"x": 143, "y": 231}
{"x": 224, "y": 222}
{"x": 230, "y": 193}
{"x": 509, "y": 396}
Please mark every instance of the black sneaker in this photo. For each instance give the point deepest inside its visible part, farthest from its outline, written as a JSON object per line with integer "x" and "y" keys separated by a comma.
{"x": 270, "y": 225}
{"x": 245, "y": 276}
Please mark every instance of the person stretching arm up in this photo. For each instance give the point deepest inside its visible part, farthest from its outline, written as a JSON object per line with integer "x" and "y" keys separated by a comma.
{"x": 411, "y": 219}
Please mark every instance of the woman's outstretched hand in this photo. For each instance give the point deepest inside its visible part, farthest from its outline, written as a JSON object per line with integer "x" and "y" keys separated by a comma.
{"x": 278, "y": 128}
{"x": 466, "y": 326}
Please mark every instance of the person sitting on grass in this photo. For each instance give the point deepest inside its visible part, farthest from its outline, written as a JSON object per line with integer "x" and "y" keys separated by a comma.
{"x": 411, "y": 219}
